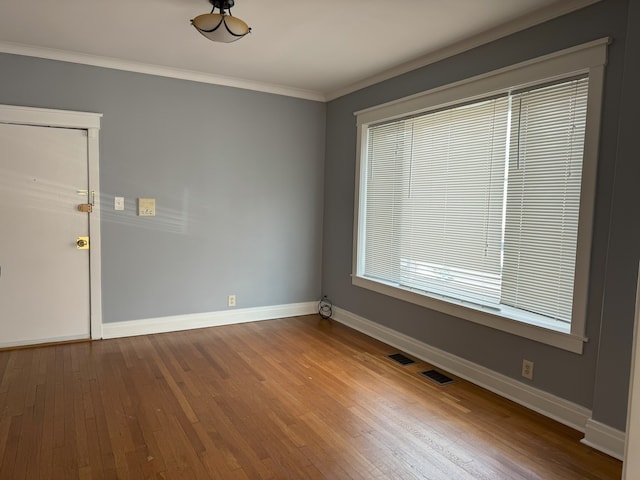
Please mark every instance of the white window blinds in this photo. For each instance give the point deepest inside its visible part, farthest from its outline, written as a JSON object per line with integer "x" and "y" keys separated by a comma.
{"x": 479, "y": 202}
{"x": 543, "y": 199}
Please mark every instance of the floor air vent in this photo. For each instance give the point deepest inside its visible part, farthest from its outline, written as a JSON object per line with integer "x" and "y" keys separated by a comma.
{"x": 436, "y": 377}
{"x": 401, "y": 359}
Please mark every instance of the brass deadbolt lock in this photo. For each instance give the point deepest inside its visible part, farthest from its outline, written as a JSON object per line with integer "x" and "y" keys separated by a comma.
{"x": 85, "y": 207}
{"x": 82, "y": 243}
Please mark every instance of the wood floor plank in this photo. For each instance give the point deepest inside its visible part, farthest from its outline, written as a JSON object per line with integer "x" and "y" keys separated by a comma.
{"x": 8, "y": 465}
{"x": 296, "y": 398}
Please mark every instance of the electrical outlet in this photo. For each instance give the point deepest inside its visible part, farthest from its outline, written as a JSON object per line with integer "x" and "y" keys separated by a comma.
{"x": 527, "y": 369}
{"x": 231, "y": 301}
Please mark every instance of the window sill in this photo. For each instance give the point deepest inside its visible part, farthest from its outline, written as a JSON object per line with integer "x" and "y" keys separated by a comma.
{"x": 548, "y": 332}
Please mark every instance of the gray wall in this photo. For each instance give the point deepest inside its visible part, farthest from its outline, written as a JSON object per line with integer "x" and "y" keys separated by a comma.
{"x": 624, "y": 240}
{"x": 598, "y": 378}
{"x": 237, "y": 176}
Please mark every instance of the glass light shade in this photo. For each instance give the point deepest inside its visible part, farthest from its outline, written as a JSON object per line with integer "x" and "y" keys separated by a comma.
{"x": 220, "y": 27}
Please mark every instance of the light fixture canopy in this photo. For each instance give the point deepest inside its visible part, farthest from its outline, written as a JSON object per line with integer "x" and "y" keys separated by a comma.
{"x": 221, "y": 27}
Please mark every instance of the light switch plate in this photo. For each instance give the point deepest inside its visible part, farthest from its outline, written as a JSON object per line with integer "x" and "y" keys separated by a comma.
{"x": 118, "y": 203}
{"x": 147, "y": 207}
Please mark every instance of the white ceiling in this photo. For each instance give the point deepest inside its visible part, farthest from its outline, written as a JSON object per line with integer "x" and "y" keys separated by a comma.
{"x": 304, "y": 48}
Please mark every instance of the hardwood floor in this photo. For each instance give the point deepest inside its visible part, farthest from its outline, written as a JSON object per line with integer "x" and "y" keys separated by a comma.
{"x": 292, "y": 398}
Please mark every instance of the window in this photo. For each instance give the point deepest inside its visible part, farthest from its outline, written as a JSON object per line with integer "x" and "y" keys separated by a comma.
{"x": 476, "y": 199}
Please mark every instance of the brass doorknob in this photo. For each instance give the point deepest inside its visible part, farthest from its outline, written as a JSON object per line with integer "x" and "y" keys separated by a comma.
{"x": 82, "y": 243}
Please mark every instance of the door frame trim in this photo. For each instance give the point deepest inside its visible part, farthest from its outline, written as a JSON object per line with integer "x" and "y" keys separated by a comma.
{"x": 90, "y": 122}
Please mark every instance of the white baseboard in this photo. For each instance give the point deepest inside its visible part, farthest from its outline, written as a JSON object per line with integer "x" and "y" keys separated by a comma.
{"x": 202, "y": 320}
{"x": 598, "y": 436}
{"x": 607, "y": 439}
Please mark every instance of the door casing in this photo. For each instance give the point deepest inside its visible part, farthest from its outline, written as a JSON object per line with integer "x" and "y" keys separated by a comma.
{"x": 91, "y": 123}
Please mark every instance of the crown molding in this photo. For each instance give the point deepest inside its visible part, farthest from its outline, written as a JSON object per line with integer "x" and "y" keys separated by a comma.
{"x": 158, "y": 70}
{"x": 520, "y": 23}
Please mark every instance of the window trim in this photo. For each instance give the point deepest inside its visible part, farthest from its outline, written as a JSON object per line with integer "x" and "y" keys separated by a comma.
{"x": 588, "y": 58}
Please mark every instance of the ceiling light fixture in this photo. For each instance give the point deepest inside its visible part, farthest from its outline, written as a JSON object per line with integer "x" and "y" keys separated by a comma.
{"x": 221, "y": 27}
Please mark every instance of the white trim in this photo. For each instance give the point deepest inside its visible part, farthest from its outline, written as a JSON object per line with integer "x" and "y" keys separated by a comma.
{"x": 563, "y": 411}
{"x": 522, "y": 23}
{"x": 46, "y": 117}
{"x": 84, "y": 121}
{"x": 95, "y": 255}
{"x": 176, "y": 323}
{"x": 631, "y": 468}
{"x": 157, "y": 70}
{"x": 602, "y": 437}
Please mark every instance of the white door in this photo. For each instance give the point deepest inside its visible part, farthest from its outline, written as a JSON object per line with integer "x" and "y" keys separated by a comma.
{"x": 44, "y": 277}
